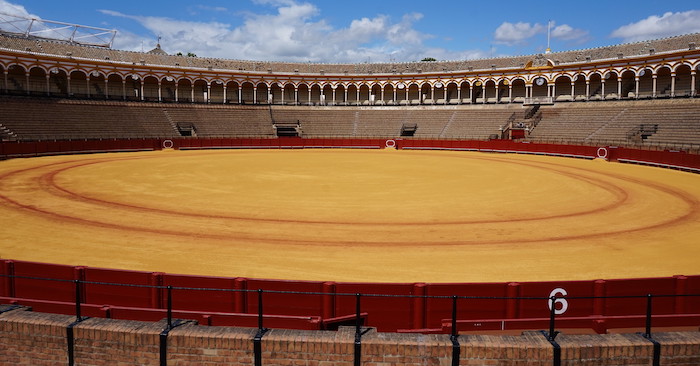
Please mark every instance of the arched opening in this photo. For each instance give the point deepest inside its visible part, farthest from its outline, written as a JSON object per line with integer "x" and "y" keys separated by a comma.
{"x": 216, "y": 94}
{"x": 540, "y": 87}
{"x": 133, "y": 87}
{"x": 340, "y": 95}
{"x": 78, "y": 84}
{"x": 288, "y": 95}
{"x": 364, "y": 95}
{"x": 275, "y": 95}
{"x": 16, "y": 80}
{"x": 401, "y": 94}
{"x": 3, "y": 87}
{"x": 646, "y": 83}
{"x": 413, "y": 94}
{"x": 232, "y": 92}
{"x": 58, "y": 83}
{"x": 167, "y": 85}
{"x": 247, "y": 93}
{"x": 562, "y": 89}
{"x": 425, "y": 94}
{"x": 477, "y": 92}
{"x": 200, "y": 93}
{"x": 315, "y": 98}
{"x": 490, "y": 91}
{"x": 352, "y": 94}
{"x": 97, "y": 89}
{"x": 439, "y": 93}
{"x": 663, "y": 82}
{"x": 683, "y": 86}
{"x": 183, "y": 91}
{"x": 262, "y": 94}
{"x": 611, "y": 85}
{"x": 452, "y": 93}
{"x": 303, "y": 92}
{"x": 150, "y": 89}
{"x": 579, "y": 87}
{"x": 519, "y": 90}
{"x": 388, "y": 95}
{"x": 464, "y": 91}
{"x": 375, "y": 97}
{"x": 628, "y": 84}
{"x": 37, "y": 84}
{"x": 595, "y": 87}
{"x": 327, "y": 97}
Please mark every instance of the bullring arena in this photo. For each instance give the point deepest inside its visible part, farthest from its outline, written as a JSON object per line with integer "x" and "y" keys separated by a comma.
{"x": 539, "y": 209}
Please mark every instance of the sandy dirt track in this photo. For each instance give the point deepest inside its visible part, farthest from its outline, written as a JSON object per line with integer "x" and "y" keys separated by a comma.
{"x": 352, "y": 215}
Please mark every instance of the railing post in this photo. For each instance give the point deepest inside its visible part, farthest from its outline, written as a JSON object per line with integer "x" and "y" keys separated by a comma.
{"x": 257, "y": 341}
{"x": 455, "y": 334}
{"x": 260, "y": 309}
{"x": 647, "y": 332}
{"x": 78, "y": 296}
{"x": 358, "y": 331}
{"x": 552, "y": 313}
{"x": 170, "y": 307}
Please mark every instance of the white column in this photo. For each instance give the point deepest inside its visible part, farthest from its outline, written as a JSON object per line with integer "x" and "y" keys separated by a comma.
{"x": 483, "y": 93}
{"x": 510, "y": 93}
{"x": 636, "y": 87}
{"x": 309, "y": 102}
{"x": 106, "y": 89}
{"x": 87, "y": 81}
{"x": 255, "y": 95}
{"x": 225, "y": 95}
{"x": 444, "y": 95}
{"x": 573, "y": 91}
{"x": 358, "y": 95}
{"x": 471, "y": 93}
{"x": 459, "y": 94}
{"x": 192, "y": 93}
{"x": 160, "y": 92}
{"x": 653, "y": 86}
{"x": 432, "y": 94}
{"x": 123, "y": 89}
{"x": 296, "y": 95}
{"x": 588, "y": 89}
{"x": 142, "y": 97}
{"x": 208, "y": 93}
{"x": 619, "y": 87}
{"x": 333, "y": 95}
{"x": 177, "y": 92}
{"x": 602, "y": 89}
{"x": 393, "y": 100}
{"x": 673, "y": 84}
{"x": 240, "y": 94}
{"x": 26, "y": 85}
{"x": 693, "y": 91}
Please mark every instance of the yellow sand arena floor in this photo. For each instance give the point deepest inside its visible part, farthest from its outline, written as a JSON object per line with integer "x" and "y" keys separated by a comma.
{"x": 352, "y": 215}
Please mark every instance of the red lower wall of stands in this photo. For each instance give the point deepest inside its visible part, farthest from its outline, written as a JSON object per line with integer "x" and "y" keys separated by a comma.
{"x": 668, "y": 158}
{"x": 324, "y": 305}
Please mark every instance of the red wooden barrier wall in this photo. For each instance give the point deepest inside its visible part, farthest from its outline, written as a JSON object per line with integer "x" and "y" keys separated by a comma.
{"x": 306, "y": 304}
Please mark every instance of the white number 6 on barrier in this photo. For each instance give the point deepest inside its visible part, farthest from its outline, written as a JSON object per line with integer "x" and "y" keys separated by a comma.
{"x": 563, "y": 302}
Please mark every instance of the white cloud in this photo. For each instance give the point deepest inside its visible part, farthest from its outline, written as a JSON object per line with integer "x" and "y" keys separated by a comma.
{"x": 294, "y": 31}
{"x": 567, "y": 33}
{"x": 517, "y": 33}
{"x": 655, "y": 26}
{"x": 14, "y": 9}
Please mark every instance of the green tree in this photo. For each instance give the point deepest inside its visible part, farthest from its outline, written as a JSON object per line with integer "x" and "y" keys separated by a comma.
{"x": 428, "y": 59}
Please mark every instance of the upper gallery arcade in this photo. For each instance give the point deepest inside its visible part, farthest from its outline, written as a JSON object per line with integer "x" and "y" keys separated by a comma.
{"x": 651, "y": 69}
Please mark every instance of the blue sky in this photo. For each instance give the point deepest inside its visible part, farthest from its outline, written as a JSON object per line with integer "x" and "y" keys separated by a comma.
{"x": 368, "y": 30}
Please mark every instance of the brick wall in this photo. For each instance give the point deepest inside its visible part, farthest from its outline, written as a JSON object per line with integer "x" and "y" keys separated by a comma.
{"x": 30, "y": 338}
